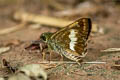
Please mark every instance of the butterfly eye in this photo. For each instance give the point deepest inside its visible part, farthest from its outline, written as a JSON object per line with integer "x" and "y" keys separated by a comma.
{"x": 43, "y": 38}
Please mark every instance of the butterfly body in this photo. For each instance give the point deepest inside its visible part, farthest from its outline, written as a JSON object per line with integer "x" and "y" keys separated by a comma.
{"x": 70, "y": 41}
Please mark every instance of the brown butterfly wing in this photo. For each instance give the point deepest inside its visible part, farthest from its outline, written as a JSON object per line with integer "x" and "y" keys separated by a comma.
{"x": 73, "y": 37}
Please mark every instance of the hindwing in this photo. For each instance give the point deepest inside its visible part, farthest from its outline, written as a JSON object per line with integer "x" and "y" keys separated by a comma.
{"x": 73, "y": 37}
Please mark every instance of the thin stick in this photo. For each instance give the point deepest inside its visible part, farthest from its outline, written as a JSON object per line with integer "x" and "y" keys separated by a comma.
{"x": 46, "y": 20}
{"x": 12, "y": 29}
{"x": 69, "y": 62}
{"x": 40, "y": 19}
{"x": 111, "y": 50}
{"x": 94, "y": 62}
{"x": 117, "y": 65}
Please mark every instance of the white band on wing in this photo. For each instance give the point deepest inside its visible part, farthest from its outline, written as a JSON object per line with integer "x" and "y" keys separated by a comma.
{"x": 73, "y": 39}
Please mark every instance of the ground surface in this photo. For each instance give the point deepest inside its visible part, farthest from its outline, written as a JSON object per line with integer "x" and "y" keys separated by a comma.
{"x": 108, "y": 19}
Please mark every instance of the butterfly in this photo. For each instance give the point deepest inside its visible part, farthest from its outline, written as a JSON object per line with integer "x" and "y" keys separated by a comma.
{"x": 70, "y": 41}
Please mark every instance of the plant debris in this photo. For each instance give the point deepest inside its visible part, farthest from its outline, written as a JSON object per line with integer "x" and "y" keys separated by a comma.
{"x": 4, "y": 49}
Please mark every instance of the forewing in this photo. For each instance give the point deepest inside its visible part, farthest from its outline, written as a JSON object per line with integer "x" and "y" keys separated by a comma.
{"x": 74, "y": 36}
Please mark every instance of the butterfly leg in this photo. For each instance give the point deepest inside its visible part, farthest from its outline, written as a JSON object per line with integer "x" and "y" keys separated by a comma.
{"x": 50, "y": 55}
{"x": 61, "y": 59}
{"x": 78, "y": 63}
{"x": 43, "y": 55}
{"x": 44, "y": 52}
{"x": 78, "y": 60}
{"x": 84, "y": 53}
{"x": 51, "y": 52}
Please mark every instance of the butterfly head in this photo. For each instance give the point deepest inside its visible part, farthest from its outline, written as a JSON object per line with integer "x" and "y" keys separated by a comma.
{"x": 45, "y": 36}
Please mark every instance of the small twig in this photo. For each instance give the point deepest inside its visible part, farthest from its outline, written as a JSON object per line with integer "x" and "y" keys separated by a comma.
{"x": 4, "y": 49}
{"x": 117, "y": 65}
{"x": 111, "y": 50}
{"x": 46, "y": 20}
{"x": 12, "y": 29}
{"x": 69, "y": 62}
{"x": 94, "y": 62}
